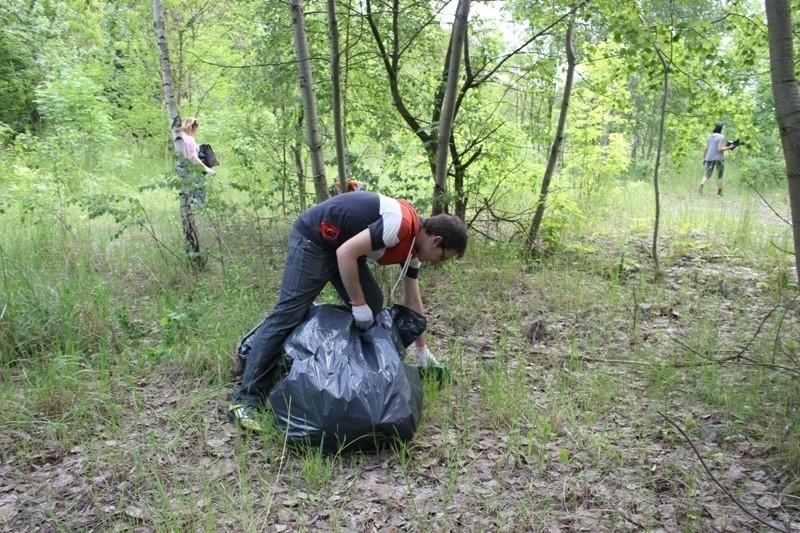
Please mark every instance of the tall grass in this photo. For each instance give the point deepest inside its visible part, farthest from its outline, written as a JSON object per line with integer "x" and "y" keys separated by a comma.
{"x": 112, "y": 350}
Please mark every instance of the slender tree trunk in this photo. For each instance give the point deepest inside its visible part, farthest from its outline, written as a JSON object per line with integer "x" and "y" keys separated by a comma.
{"x": 657, "y": 220}
{"x": 297, "y": 150}
{"x": 533, "y": 235}
{"x": 190, "y": 234}
{"x": 179, "y": 68}
{"x": 300, "y": 172}
{"x": 338, "y": 123}
{"x": 346, "y": 73}
{"x": 449, "y": 105}
{"x": 284, "y": 175}
{"x": 786, "y": 95}
{"x": 313, "y": 136}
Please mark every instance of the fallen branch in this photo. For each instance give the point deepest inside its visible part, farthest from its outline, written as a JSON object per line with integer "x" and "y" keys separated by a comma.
{"x": 737, "y": 359}
{"x": 714, "y": 479}
{"x": 708, "y": 362}
{"x": 788, "y": 223}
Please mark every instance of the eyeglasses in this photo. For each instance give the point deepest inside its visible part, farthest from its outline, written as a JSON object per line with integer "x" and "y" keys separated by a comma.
{"x": 444, "y": 254}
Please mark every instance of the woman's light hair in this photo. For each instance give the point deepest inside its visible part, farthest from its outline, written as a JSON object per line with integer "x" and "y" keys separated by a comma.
{"x": 188, "y": 124}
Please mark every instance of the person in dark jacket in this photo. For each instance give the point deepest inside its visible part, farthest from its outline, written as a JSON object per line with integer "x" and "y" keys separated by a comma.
{"x": 331, "y": 242}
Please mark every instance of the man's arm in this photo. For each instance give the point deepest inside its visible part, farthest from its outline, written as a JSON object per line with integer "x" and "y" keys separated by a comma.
{"x": 413, "y": 300}
{"x": 347, "y": 256}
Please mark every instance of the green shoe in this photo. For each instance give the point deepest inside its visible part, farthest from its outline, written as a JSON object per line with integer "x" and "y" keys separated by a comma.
{"x": 243, "y": 416}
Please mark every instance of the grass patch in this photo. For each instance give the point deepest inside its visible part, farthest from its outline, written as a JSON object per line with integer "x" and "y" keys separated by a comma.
{"x": 116, "y": 363}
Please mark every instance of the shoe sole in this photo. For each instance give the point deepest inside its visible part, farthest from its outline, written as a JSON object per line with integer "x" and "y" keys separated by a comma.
{"x": 250, "y": 424}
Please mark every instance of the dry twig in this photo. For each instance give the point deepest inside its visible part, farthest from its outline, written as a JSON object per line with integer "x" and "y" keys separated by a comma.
{"x": 714, "y": 479}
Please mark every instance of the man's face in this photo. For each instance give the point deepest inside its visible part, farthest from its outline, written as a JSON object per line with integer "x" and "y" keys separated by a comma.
{"x": 432, "y": 251}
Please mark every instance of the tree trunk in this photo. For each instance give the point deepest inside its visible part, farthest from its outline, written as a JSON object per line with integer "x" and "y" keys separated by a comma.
{"x": 786, "y": 95}
{"x": 390, "y": 57}
{"x": 449, "y": 105}
{"x": 300, "y": 173}
{"x": 190, "y": 234}
{"x": 657, "y": 220}
{"x": 338, "y": 123}
{"x": 313, "y": 136}
{"x": 297, "y": 150}
{"x": 346, "y": 72}
{"x": 556, "y": 147}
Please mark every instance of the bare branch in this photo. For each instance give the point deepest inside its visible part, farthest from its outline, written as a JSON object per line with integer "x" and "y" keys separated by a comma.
{"x": 714, "y": 479}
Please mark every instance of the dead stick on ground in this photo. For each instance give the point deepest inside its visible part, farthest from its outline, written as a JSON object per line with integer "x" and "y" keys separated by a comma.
{"x": 707, "y": 362}
{"x": 727, "y": 493}
{"x": 738, "y": 359}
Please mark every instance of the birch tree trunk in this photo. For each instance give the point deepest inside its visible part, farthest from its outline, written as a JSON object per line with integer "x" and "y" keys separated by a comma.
{"x": 449, "y": 105}
{"x": 786, "y": 95}
{"x": 338, "y": 121}
{"x": 555, "y": 148}
{"x": 313, "y": 136}
{"x": 191, "y": 238}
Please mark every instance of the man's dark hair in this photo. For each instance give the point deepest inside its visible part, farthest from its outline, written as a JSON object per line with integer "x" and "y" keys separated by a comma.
{"x": 718, "y": 127}
{"x": 451, "y": 229}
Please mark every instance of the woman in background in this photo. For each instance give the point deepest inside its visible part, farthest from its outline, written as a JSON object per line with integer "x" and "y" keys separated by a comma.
{"x": 191, "y": 149}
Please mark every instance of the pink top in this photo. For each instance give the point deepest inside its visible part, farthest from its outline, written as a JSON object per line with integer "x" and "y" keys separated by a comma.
{"x": 191, "y": 148}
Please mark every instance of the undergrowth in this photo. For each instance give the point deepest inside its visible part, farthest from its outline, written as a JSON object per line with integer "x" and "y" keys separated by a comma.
{"x": 112, "y": 349}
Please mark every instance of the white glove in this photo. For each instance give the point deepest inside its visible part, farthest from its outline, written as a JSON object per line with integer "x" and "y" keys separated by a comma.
{"x": 425, "y": 356}
{"x": 362, "y": 316}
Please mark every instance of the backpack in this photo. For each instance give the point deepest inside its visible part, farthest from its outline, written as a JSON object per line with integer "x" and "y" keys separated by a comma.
{"x": 207, "y": 156}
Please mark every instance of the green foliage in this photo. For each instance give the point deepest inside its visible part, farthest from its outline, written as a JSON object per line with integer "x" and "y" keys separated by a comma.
{"x": 561, "y": 214}
{"x": 25, "y": 34}
{"x": 126, "y": 211}
{"x": 76, "y": 104}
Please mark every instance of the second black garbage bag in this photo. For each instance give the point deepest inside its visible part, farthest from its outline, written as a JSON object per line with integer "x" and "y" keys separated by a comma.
{"x": 348, "y": 389}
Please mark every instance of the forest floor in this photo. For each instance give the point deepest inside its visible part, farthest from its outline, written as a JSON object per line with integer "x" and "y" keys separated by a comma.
{"x": 568, "y": 431}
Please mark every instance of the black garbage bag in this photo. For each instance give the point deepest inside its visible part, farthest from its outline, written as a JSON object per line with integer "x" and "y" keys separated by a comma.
{"x": 347, "y": 389}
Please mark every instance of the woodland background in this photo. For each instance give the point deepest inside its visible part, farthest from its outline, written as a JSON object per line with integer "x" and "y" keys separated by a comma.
{"x": 633, "y": 369}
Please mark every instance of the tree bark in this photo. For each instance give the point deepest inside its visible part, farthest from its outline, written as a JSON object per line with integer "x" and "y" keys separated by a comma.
{"x": 657, "y": 219}
{"x": 533, "y": 235}
{"x": 191, "y": 237}
{"x": 336, "y": 94}
{"x": 313, "y": 137}
{"x": 449, "y": 105}
{"x": 338, "y": 123}
{"x": 297, "y": 151}
{"x": 786, "y": 95}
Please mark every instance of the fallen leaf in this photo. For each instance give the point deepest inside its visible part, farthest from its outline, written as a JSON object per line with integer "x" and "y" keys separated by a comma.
{"x": 430, "y": 462}
{"x": 218, "y": 442}
{"x": 768, "y": 502}
{"x": 134, "y": 512}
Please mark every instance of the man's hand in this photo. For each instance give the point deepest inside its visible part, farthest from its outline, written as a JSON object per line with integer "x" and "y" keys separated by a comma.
{"x": 425, "y": 356}
{"x": 210, "y": 172}
{"x": 732, "y": 145}
{"x": 362, "y": 316}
